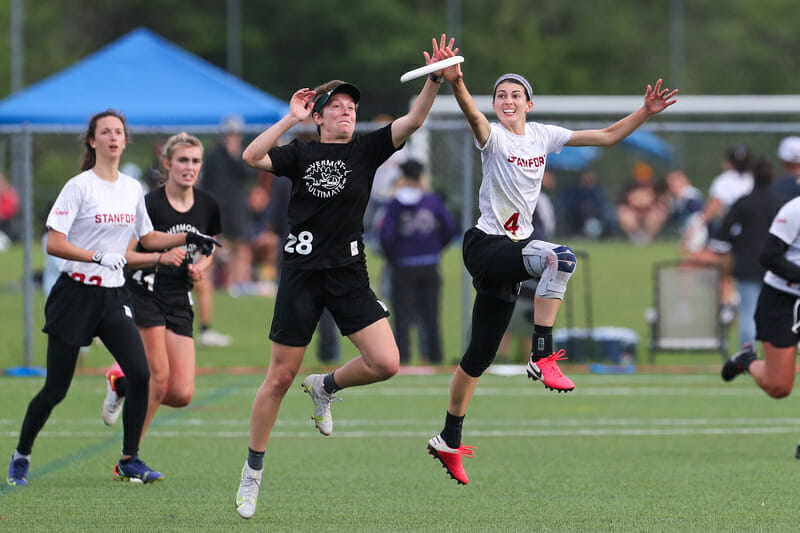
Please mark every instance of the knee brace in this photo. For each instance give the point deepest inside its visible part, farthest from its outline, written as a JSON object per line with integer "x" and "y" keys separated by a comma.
{"x": 552, "y": 265}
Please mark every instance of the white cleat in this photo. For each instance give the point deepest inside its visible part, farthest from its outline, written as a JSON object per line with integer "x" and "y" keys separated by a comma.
{"x": 247, "y": 496}
{"x": 212, "y": 337}
{"x": 112, "y": 404}
{"x": 322, "y": 403}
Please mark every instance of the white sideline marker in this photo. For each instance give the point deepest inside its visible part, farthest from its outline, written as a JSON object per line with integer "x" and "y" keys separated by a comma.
{"x": 430, "y": 69}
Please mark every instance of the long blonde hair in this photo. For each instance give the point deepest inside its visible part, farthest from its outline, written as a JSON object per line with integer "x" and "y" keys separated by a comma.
{"x": 173, "y": 143}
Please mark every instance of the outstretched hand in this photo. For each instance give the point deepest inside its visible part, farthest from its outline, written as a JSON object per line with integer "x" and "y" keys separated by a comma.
{"x": 657, "y": 99}
{"x": 440, "y": 52}
{"x": 300, "y": 105}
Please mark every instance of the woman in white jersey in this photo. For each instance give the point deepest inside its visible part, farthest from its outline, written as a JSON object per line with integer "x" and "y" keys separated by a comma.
{"x": 778, "y": 309}
{"x": 499, "y": 251}
{"x": 90, "y": 225}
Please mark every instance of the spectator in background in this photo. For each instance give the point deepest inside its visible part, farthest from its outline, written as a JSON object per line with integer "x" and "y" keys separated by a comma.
{"x": 9, "y": 207}
{"x": 787, "y": 185}
{"x": 415, "y": 230}
{"x": 586, "y": 203}
{"x": 152, "y": 176}
{"x": 739, "y": 242}
{"x": 641, "y": 212}
{"x": 685, "y": 199}
{"x": 735, "y": 181}
{"x": 226, "y": 177}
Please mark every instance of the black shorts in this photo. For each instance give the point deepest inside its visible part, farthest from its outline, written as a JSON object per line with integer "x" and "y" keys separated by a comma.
{"x": 776, "y": 313}
{"x": 170, "y": 309}
{"x": 495, "y": 264}
{"x": 74, "y": 310}
{"x": 303, "y": 294}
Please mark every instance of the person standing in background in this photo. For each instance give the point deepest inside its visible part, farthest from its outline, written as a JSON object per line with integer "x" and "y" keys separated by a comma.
{"x": 415, "y": 229}
{"x": 787, "y": 185}
{"x": 739, "y": 241}
{"x": 226, "y": 178}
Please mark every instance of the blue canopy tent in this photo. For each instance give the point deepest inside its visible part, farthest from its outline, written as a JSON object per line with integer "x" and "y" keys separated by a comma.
{"x": 159, "y": 87}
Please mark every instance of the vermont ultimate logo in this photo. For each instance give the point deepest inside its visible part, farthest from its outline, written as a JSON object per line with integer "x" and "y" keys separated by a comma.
{"x": 326, "y": 179}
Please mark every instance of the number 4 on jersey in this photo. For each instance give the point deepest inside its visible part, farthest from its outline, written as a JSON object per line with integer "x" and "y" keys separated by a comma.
{"x": 512, "y": 224}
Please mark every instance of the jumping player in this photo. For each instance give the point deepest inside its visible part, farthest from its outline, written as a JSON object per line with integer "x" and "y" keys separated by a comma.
{"x": 161, "y": 293}
{"x": 324, "y": 262}
{"x": 777, "y": 320}
{"x": 499, "y": 251}
{"x": 90, "y": 225}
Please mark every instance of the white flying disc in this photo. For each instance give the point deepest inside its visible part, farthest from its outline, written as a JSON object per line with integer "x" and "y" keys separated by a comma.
{"x": 430, "y": 69}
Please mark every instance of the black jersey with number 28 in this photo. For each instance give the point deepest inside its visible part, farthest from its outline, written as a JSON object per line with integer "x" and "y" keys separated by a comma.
{"x": 331, "y": 184}
{"x": 202, "y": 217}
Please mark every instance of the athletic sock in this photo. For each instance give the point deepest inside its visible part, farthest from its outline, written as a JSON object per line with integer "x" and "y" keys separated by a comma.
{"x": 255, "y": 460}
{"x": 18, "y": 455}
{"x": 204, "y": 327}
{"x": 126, "y": 461}
{"x": 451, "y": 434}
{"x": 542, "y": 342}
{"x": 329, "y": 384}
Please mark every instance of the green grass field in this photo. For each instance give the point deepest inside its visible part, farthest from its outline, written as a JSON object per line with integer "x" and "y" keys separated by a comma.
{"x": 641, "y": 452}
{"x": 620, "y": 453}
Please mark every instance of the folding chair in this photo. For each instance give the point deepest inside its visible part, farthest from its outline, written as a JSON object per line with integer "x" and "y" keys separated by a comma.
{"x": 688, "y": 312}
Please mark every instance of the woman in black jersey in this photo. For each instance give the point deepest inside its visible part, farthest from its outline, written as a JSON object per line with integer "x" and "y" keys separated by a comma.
{"x": 161, "y": 292}
{"x": 90, "y": 226}
{"x": 323, "y": 262}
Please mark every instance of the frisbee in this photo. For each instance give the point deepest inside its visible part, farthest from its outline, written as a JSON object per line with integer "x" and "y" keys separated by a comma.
{"x": 430, "y": 69}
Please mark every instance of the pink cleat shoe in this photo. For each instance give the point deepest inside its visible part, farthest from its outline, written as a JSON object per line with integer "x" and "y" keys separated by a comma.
{"x": 547, "y": 370}
{"x": 450, "y": 458}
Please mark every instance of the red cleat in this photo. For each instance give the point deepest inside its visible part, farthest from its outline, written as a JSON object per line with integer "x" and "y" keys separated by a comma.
{"x": 547, "y": 370}
{"x": 450, "y": 458}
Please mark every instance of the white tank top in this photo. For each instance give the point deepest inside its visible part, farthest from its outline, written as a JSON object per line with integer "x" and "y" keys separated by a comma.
{"x": 513, "y": 166}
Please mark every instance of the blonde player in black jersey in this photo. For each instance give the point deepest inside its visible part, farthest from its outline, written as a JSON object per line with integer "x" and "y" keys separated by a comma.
{"x": 161, "y": 293}
{"x": 90, "y": 225}
{"x": 324, "y": 261}
{"x": 499, "y": 251}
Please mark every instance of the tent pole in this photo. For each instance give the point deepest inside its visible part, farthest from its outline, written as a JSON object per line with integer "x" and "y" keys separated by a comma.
{"x": 27, "y": 232}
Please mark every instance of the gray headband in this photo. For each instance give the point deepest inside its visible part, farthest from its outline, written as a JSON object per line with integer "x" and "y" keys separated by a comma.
{"x": 516, "y": 78}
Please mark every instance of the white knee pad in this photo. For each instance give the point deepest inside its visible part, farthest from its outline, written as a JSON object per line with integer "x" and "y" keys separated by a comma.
{"x": 552, "y": 265}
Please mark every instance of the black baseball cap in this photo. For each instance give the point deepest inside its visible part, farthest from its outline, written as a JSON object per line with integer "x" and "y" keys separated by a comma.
{"x": 347, "y": 88}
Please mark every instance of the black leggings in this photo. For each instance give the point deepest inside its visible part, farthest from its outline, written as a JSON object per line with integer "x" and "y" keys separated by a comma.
{"x": 123, "y": 341}
{"x": 490, "y": 319}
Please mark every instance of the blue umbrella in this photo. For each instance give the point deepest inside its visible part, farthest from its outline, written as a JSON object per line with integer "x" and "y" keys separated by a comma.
{"x": 573, "y": 158}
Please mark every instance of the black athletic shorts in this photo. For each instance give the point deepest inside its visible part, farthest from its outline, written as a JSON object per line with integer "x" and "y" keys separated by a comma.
{"x": 495, "y": 264}
{"x": 303, "y": 294}
{"x": 776, "y": 313}
{"x": 158, "y": 308}
{"x": 74, "y": 310}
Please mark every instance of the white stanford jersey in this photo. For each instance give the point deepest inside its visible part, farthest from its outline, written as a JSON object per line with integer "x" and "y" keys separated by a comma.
{"x": 513, "y": 166}
{"x": 99, "y": 215}
{"x": 786, "y": 226}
